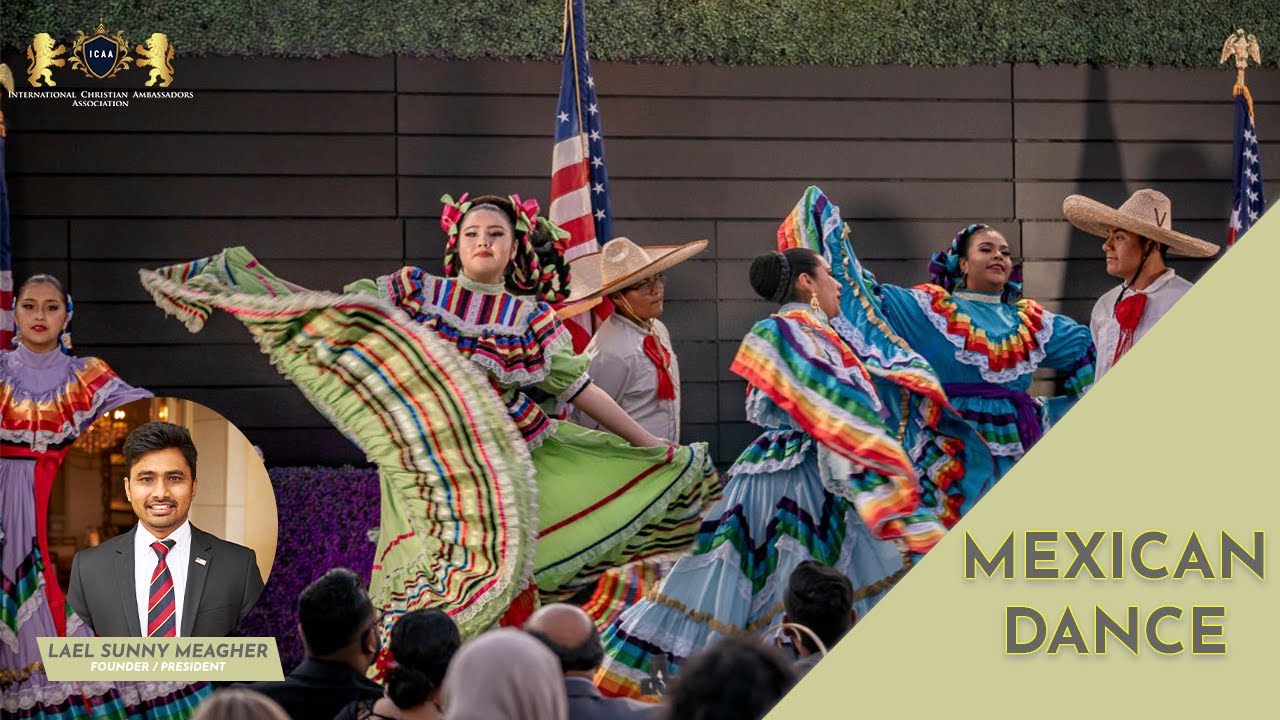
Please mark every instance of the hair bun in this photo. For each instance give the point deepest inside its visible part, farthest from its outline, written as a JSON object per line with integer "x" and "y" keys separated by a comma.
{"x": 769, "y": 276}
{"x": 407, "y": 688}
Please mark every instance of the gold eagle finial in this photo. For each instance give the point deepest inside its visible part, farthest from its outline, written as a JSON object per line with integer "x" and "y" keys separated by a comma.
{"x": 1243, "y": 48}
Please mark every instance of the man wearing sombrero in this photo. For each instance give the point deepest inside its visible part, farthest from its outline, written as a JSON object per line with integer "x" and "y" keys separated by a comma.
{"x": 632, "y": 357}
{"x": 1138, "y": 235}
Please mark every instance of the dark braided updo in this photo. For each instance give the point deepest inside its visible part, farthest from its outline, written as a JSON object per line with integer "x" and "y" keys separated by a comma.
{"x": 774, "y": 274}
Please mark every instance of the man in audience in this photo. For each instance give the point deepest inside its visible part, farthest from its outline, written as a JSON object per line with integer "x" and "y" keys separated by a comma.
{"x": 737, "y": 678}
{"x": 821, "y": 599}
{"x": 340, "y": 632}
{"x": 572, "y": 636}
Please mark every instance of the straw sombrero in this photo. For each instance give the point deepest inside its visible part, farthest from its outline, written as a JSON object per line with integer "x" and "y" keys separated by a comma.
{"x": 1147, "y": 213}
{"x": 620, "y": 264}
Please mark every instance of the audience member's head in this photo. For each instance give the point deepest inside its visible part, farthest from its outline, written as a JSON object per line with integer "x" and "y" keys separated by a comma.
{"x": 503, "y": 674}
{"x": 571, "y": 635}
{"x": 338, "y": 621}
{"x": 423, "y": 643}
{"x": 737, "y": 678}
{"x": 239, "y": 704}
{"x": 821, "y": 599}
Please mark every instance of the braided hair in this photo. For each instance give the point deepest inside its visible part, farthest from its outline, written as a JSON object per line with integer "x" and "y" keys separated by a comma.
{"x": 537, "y": 264}
{"x": 773, "y": 274}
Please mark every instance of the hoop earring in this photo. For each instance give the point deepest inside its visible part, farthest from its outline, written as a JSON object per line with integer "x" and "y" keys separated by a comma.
{"x": 813, "y": 302}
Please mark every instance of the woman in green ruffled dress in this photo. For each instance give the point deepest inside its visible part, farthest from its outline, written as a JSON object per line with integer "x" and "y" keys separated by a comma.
{"x": 486, "y": 499}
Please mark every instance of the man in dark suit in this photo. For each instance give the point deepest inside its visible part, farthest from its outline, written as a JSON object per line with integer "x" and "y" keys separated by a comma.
{"x": 572, "y": 636}
{"x": 165, "y": 577}
{"x": 340, "y": 630}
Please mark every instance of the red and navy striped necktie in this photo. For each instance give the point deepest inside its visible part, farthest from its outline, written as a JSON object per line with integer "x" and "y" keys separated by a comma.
{"x": 162, "y": 611}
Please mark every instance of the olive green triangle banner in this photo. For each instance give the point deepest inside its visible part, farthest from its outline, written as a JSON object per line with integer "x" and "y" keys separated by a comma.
{"x": 1179, "y": 441}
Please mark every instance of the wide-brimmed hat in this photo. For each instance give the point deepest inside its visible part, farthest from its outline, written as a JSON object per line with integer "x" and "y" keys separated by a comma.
{"x": 621, "y": 264}
{"x": 1147, "y": 213}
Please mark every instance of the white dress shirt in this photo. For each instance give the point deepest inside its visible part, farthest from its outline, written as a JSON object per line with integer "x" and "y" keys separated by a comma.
{"x": 145, "y": 561}
{"x": 621, "y": 369}
{"x": 1161, "y": 295}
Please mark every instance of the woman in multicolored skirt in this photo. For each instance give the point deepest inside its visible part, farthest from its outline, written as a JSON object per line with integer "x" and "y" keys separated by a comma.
{"x": 47, "y": 398}
{"x": 859, "y": 466}
{"x": 485, "y": 497}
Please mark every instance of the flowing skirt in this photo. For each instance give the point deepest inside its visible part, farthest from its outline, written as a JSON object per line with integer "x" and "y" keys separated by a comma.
{"x": 775, "y": 514}
{"x": 469, "y": 514}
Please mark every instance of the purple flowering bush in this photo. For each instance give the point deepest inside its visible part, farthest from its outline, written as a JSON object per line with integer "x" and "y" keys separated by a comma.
{"x": 326, "y": 515}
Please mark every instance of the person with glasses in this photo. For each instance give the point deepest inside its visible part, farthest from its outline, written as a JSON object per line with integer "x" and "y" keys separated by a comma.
{"x": 340, "y": 630}
{"x": 633, "y": 360}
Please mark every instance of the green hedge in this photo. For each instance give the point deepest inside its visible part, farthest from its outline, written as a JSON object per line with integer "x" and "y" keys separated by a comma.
{"x": 1177, "y": 33}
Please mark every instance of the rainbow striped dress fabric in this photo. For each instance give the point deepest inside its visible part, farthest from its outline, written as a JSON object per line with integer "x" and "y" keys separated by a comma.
{"x": 481, "y": 492}
{"x": 46, "y": 401}
{"x": 954, "y": 465}
{"x": 602, "y": 503}
{"x": 980, "y": 351}
{"x": 828, "y": 479}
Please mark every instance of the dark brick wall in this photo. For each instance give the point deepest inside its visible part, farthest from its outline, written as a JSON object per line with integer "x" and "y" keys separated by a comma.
{"x": 331, "y": 169}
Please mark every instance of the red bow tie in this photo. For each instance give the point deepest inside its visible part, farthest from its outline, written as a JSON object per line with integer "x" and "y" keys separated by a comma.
{"x": 1128, "y": 314}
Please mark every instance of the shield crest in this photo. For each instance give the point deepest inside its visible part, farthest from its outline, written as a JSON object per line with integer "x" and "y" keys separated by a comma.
{"x": 100, "y": 55}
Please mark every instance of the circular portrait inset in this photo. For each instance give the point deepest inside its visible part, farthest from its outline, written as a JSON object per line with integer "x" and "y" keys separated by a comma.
{"x": 162, "y": 523}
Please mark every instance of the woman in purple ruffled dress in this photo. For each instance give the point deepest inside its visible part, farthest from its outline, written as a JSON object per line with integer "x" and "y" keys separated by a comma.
{"x": 47, "y": 398}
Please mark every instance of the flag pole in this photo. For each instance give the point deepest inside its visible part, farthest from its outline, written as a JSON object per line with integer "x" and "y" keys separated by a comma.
{"x": 571, "y": 30}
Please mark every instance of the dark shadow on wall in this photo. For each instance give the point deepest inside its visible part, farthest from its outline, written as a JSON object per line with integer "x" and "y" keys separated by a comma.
{"x": 1101, "y": 176}
{"x": 1180, "y": 161}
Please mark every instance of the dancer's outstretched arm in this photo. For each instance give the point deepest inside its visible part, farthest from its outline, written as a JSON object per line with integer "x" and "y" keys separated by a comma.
{"x": 595, "y": 402}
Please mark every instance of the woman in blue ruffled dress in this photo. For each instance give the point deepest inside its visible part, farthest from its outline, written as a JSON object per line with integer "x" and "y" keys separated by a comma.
{"x": 970, "y": 322}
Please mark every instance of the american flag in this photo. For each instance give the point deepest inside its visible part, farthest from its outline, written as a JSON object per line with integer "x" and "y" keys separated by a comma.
{"x": 1246, "y": 178}
{"x": 6, "y": 256}
{"x": 579, "y": 181}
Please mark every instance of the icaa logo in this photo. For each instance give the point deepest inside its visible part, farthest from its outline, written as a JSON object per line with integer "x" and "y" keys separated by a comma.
{"x": 100, "y": 55}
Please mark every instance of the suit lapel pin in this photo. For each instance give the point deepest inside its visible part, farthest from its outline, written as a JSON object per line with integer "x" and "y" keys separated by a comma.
{"x": 201, "y": 561}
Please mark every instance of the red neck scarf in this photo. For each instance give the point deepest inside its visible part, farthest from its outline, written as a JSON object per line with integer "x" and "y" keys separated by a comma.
{"x": 657, "y": 353}
{"x": 1128, "y": 314}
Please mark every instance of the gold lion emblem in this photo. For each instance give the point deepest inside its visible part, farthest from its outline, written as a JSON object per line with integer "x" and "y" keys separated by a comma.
{"x": 159, "y": 55}
{"x": 43, "y": 56}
